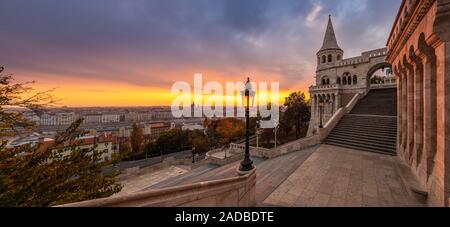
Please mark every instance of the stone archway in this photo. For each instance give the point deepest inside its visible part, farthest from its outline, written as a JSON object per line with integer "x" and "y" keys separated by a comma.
{"x": 375, "y": 68}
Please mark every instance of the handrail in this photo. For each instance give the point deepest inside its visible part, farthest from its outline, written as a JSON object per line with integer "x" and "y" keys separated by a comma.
{"x": 173, "y": 196}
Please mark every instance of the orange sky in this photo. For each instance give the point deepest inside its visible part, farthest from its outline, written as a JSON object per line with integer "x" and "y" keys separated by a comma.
{"x": 75, "y": 92}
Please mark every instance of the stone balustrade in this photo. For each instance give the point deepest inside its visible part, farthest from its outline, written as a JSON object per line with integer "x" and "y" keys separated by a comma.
{"x": 234, "y": 153}
{"x": 237, "y": 191}
{"x": 325, "y": 87}
{"x": 334, "y": 120}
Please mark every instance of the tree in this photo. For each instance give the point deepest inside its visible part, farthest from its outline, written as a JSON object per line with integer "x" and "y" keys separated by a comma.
{"x": 267, "y": 135}
{"x": 297, "y": 112}
{"x": 19, "y": 95}
{"x": 229, "y": 129}
{"x": 124, "y": 152}
{"x": 137, "y": 139}
{"x": 199, "y": 141}
{"x": 44, "y": 174}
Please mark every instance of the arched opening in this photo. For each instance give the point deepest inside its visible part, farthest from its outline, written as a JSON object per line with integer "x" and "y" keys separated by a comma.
{"x": 325, "y": 80}
{"x": 330, "y": 58}
{"x": 338, "y": 80}
{"x": 339, "y": 57}
{"x": 349, "y": 80}
{"x": 324, "y": 59}
{"x": 355, "y": 80}
{"x": 380, "y": 74}
{"x": 344, "y": 80}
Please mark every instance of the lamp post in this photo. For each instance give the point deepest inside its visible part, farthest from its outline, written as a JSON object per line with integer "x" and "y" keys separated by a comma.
{"x": 258, "y": 125}
{"x": 276, "y": 131}
{"x": 247, "y": 163}
{"x": 320, "y": 113}
{"x": 193, "y": 155}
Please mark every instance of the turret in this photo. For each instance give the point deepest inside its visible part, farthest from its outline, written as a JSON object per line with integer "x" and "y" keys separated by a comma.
{"x": 330, "y": 53}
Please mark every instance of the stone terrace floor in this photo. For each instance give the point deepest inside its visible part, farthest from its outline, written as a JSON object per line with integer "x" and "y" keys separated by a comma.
{"x": 340, "y": 177}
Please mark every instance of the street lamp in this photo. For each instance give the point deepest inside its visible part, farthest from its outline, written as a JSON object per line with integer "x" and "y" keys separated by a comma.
{"x": 320, "y": 112}
{"x": 276, "y": 130}
{"x": 247, "y": 164}
{"x": 193, "y": 155}
{"x": 258, "y": 125}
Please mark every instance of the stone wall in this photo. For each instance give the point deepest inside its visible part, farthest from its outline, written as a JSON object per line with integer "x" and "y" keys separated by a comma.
{"x": 238, "y": 191}
{"x": 419, "y": 51}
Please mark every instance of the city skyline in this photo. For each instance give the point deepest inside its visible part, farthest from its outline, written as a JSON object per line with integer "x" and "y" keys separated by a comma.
{"x": 129, "y": 53}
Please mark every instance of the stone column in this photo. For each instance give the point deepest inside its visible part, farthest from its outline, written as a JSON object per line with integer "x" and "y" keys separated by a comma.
{"x": 418, "y": 113}
{"x": 410, "y": 109}
{"x": 430, "y": 104}
{"x": 399, "y": 109}
{"x": 336, "y": 102}
{"x": 404, "y": 110}
{"x": 313, "y": 120}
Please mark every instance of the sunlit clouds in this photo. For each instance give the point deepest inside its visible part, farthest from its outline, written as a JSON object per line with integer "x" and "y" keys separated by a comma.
{"x": 130, "y": 52}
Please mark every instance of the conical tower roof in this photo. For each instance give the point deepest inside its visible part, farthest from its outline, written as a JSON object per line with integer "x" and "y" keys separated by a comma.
{"x": 330, "y": 42}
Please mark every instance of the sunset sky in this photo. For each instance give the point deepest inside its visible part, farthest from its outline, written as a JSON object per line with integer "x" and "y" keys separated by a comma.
{"x": 130, "y": 52}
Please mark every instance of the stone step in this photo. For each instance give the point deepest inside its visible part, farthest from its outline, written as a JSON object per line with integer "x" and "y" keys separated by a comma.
{"x": 390, "y": 141}
{"x": 363, "y": 148}
{"x": 370, "y": 118}
{"x": 364, "y": 143}
{"x": 368, "y": 125}
{"x": 384, "y": 121}
{"x": 359, "y": 133}
{"x": 368, "y": 130}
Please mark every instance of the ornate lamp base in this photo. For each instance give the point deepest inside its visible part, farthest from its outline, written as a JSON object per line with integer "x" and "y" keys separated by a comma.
{"x": 242, "y": 172}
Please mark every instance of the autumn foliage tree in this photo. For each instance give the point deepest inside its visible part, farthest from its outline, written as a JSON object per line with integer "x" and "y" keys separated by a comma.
{"x": 229, "y": 129}
{"x": 137, "y": 139}
{"x": 296, "y": 112}
{"x": 44, "y": 174}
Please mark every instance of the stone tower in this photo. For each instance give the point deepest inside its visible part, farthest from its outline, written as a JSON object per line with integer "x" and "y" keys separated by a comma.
{"x": 338, "y": 80}
{"x": 330, "y": 52}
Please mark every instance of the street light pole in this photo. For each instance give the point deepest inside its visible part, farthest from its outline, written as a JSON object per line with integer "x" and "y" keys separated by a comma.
{"x": 247, "y": 164}
{"x": 276, "y": 130}
{"x": 257, "y": 133}
{"x": 320, "y": 113}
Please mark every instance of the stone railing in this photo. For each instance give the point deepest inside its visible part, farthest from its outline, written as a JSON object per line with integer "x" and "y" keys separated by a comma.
{"x": 235, "y": 153}
{"x": 237, "y": 191}
{"x": 375, "y": 53}
{"x": 325, "y": 87}
{"x": 292, "y": 147}
{"x": 353, "y": 61}
{"x": 334, "y": 120}
{"x": 387, "y": 83}
{"x": 223, "y": 157}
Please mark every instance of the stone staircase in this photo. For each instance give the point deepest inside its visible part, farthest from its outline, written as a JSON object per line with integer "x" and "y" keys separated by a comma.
{"x": 371, "y": 126}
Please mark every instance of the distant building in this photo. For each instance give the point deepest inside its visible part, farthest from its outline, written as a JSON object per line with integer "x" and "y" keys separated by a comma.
{"x": 105, "y": 143}
{"x": 192, "y": 127}
{"x": 31, "y": 116}
{"x": 162, "y": 115}
{"x": 110, "y": 118}
{"x": 93, "y": 119}
{"x": 125, "y": 132}
{"x": 48, "y": 120}
{"x": 158, "y": 128}
{"x": 58, "y": 119}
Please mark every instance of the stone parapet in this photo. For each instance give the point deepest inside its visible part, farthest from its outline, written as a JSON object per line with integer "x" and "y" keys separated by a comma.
{"x": 237, "y": 191}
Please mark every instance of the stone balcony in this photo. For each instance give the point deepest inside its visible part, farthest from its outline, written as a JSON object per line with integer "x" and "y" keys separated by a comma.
{"x": 325, "y": 87}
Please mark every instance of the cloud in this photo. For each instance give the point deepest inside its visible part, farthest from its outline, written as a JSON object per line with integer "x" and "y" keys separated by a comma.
{"x": 312, "y": 16}
{"x": 153, "y": 43}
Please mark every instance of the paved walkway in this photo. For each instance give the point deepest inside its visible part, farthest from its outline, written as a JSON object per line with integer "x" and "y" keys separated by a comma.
{"x": 145, "y": 179}
{"x": 338, "y": 177}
